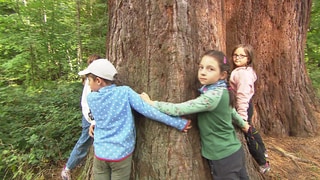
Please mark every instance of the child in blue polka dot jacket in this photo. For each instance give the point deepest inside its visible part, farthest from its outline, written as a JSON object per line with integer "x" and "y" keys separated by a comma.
{"x": 114, "y": 130}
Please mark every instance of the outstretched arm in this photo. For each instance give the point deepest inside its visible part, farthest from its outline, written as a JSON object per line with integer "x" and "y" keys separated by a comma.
{"x": 205, "y": 102}
{"x": 150, "y": 112}
{"x": 237, "y": 119}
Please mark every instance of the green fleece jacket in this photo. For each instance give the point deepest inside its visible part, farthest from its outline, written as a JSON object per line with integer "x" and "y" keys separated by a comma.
{"x": 215, "y": 117}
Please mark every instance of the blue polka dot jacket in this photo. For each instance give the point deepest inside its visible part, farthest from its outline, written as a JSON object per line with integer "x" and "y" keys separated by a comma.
{"x": 114, "y": 133}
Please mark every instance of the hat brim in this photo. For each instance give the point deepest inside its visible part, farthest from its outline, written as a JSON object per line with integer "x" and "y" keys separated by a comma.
{"x": 84, "y": 72}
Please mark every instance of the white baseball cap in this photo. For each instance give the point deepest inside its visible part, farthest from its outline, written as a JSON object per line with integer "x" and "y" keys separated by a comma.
{"x": 101, "y": 68}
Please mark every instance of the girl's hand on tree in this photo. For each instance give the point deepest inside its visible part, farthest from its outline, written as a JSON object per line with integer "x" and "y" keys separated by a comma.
{"x": 246, "y": 127}
{"x": 91, "y": 129}
{"x": 188, "y": 126}
{"x": 146, "y": 98}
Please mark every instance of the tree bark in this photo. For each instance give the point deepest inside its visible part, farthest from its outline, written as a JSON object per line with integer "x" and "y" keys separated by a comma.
{"x": 156, "y": 46}
{"x": 87, "y": 172}
{"x": 157, "y": 50}
{"x": 285, "y": 101}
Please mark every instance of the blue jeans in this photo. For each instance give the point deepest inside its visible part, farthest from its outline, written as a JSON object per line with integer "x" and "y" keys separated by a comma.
{"x": 80, "y": 150}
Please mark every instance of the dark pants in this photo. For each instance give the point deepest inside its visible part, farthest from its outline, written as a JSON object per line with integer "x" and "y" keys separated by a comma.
{"x": 255, "y": 144}
{"x": 232, "y": 167}
{"x": 250, "y": 113}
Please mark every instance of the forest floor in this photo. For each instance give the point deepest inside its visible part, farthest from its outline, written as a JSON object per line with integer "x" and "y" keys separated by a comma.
{"x": 291, "y": 158}
{"x": 294, "y": 158}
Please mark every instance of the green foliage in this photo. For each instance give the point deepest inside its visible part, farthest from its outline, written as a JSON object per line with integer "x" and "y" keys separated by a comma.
{"x": 38, "y": 127}
{"x": 48, "y": 40}
{"x": 313, "y": 49}
{"x": 43, "y": 42}
{"x": 43, "y": 45}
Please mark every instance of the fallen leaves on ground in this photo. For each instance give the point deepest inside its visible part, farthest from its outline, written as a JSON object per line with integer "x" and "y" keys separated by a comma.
{"x": 293, "y": 158}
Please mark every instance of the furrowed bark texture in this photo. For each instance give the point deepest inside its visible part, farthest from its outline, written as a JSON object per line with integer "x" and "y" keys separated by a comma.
{"x": 284, "y": 100}
{"x": 156, "y": 46}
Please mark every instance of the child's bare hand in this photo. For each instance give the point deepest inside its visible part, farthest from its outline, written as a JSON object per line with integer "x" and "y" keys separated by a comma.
{"x": 91, "y": 129}
{"x": 146, "y": 98}
{"x": 188, "y": 126}
{"x": 246, "y": 127}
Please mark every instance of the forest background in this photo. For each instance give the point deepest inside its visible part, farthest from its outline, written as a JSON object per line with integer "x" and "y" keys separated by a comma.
{"x": 43, "y": 45}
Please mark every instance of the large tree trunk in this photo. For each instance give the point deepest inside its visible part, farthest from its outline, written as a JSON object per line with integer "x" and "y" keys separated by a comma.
{"x": 284, "y": 101}
{"x": 156, "y": 46}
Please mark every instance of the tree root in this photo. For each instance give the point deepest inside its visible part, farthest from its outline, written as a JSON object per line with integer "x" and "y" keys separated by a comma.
{"x": 292, "y": 157}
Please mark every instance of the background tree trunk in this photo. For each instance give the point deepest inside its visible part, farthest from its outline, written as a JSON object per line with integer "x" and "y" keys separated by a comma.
{"x": 156, "y": 46}
{"x": 284, "y": 101}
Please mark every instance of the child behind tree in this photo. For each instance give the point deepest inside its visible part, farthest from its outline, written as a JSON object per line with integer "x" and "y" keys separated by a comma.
{"x": 242, "y": 82}
{"x": 80, "y": 149}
